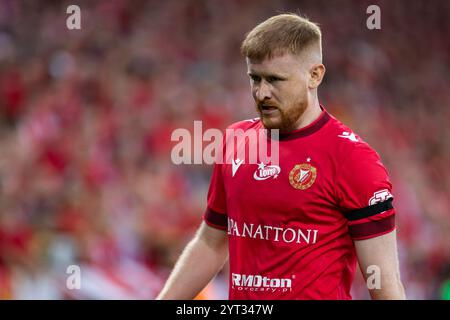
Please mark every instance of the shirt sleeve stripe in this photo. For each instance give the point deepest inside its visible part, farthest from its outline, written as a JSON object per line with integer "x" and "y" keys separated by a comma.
{"x": 369, "y": 211}
{"x": 372, "y": 228}
{"x": 215, "y": 219}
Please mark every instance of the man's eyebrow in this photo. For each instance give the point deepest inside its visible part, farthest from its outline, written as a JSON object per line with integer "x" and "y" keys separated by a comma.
{"x": 265, "y": 75}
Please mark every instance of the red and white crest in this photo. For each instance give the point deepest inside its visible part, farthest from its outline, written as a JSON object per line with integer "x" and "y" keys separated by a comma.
{"x": 302, "y": 176}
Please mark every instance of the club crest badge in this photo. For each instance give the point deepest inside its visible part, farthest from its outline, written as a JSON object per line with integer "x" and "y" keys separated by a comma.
{"x": 302, "y": 176}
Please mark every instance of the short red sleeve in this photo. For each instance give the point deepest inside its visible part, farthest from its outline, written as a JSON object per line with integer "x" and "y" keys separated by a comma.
{"x": 215, "y": 214}
{"x": 364, "y": 193}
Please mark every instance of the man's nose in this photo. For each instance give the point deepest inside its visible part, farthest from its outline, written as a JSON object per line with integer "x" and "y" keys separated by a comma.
{"x": 263, "y": 91}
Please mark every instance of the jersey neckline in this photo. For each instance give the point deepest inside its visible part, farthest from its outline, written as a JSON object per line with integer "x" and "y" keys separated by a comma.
{"x": 311, "y": 128}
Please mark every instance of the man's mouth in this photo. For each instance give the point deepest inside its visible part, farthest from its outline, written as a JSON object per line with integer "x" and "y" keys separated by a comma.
{"x": 267, "y": 109}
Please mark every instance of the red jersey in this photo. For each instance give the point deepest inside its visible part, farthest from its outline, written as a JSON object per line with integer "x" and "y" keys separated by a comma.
{"x": 291, "y": 226}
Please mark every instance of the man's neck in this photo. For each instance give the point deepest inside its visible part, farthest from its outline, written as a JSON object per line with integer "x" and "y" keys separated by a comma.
{"x": 311, "y": 113}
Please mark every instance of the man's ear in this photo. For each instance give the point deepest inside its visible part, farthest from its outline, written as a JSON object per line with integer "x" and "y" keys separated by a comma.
{"x": 316, "y": 74}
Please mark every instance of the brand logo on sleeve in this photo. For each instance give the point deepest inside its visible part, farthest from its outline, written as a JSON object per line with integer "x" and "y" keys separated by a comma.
{"x": 302, "y": 176}
{"x": 348, "y": 135}
{"x": 380, "y": 196}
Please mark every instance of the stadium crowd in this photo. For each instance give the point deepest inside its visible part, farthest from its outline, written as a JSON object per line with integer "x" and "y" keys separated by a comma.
{"x": 86, "y": 117}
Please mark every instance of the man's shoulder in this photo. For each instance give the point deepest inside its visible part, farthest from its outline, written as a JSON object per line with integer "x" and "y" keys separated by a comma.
{"x": 345, "y": 140}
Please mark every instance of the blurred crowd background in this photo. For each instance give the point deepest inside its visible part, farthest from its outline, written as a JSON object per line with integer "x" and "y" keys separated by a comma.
{"x": 86, "y": 118}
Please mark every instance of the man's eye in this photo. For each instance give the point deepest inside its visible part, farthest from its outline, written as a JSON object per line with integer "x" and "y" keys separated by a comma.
{"x": 273, "y": 79}
{"x": 255, "y": 78}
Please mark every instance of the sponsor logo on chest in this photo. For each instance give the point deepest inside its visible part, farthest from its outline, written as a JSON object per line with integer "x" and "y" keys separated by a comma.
{"x": 272, "y": 233}
{"x": 264, "y": 172}
{"x": 256, "y": 282}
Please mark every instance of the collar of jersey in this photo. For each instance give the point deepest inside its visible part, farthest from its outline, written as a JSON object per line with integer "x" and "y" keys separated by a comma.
{"x": 313, "y": 127}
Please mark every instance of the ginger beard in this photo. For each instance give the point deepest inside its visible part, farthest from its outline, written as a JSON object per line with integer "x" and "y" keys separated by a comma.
{"x": 287, "y": 117}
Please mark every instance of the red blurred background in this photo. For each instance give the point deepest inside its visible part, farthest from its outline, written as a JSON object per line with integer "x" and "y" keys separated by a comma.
{"x": 86, "y": 117}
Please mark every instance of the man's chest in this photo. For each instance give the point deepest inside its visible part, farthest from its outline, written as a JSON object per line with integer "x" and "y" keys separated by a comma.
{"x": 299, "y": 185}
